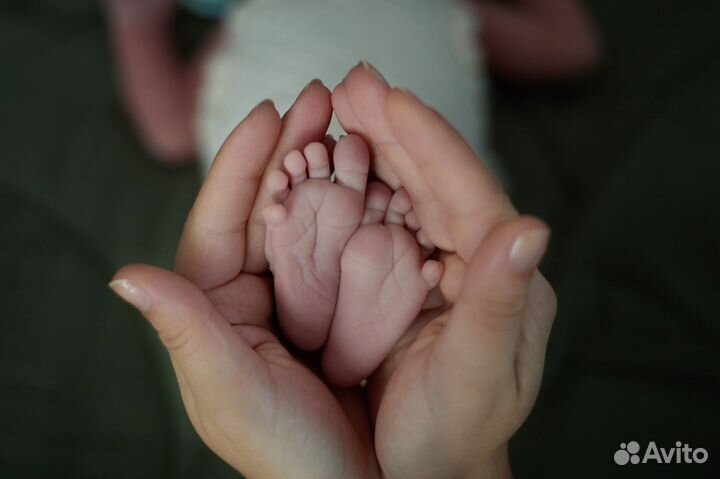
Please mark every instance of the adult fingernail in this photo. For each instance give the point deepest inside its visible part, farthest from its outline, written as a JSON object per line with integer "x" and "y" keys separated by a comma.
{"x": 371, "y": 69}
{"x": 264, "y": 102}
{"x": 132, "y": 293}
{"x": 316, "y": 81}
{"x": 528, "y": 250}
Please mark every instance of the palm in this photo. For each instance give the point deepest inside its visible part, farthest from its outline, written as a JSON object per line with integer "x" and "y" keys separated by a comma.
{"x": 251, "y": 402}
{"x": 288, "y": 402}
{"x": 405, "y": 401}
{"x": 413, "y": 388}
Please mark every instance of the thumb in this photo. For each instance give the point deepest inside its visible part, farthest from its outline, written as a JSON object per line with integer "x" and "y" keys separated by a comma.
{"x": 204, "y": 348}
{"x": 482, "y": 332}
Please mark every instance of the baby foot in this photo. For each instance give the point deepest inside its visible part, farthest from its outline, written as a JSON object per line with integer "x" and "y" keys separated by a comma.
{"x": 384, "y": 282}
{"x": 307, "y": 230}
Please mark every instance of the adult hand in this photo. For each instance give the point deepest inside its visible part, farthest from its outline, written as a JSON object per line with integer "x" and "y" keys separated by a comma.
{"x": 250, "y": 401}
{"x": 465, "y": 376}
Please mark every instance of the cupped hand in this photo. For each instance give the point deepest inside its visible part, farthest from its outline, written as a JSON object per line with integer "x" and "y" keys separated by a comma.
{"x": 250, "y": 401}
{"x": 465, "y": 376}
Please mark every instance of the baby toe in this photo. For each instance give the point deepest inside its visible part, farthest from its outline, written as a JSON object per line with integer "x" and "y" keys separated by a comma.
{"x": 352, "y": 163}
{"x": 432, "y": 272}
{"x": 296, "y": 167}
{"x": 274, "y": 215}
{"x": 318, "y": 160}
{"x": 424, "y": 241}
{"x": 400, "y": 205}
{"x": 278, "y": 186}
{"x": 411, "y": 221}
{"x": 377, "y": 199}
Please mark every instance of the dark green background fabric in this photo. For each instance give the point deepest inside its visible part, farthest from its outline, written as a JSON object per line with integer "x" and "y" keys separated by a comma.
{"x": 625, "y": 167}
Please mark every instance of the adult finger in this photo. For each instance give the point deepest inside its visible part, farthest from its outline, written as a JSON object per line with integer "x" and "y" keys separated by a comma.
{"x": 366, "y": 93}
{"x": 534, "y": 335}
{"x": 480, "y": 339}
{"x": 457, "y": 186}
{"x": 455, "y": 197}
{"x": 359, "y": 109}
{"x": 306, "y": 122}
{"x": 210, "y": 354}
{"x": 212, "y": 249}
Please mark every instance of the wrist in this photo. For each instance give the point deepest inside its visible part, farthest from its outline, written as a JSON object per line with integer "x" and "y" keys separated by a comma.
{"x": 467, "y": 464}
{"x": 495, "y": 466}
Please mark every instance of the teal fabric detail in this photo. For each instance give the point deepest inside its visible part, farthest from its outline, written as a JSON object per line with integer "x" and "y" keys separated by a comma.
{"x": 208, "y": 8}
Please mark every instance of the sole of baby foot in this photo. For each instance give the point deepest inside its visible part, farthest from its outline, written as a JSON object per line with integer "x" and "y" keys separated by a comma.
{"x": 384, "y": 282}
{"x": 308, "y": 228}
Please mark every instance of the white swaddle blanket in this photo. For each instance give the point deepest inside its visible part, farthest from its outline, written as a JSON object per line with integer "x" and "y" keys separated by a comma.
{"x": 273, "y": 48}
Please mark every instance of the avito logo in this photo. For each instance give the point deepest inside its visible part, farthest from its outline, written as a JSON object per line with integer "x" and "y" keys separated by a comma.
{"x": 680, "y": 454}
